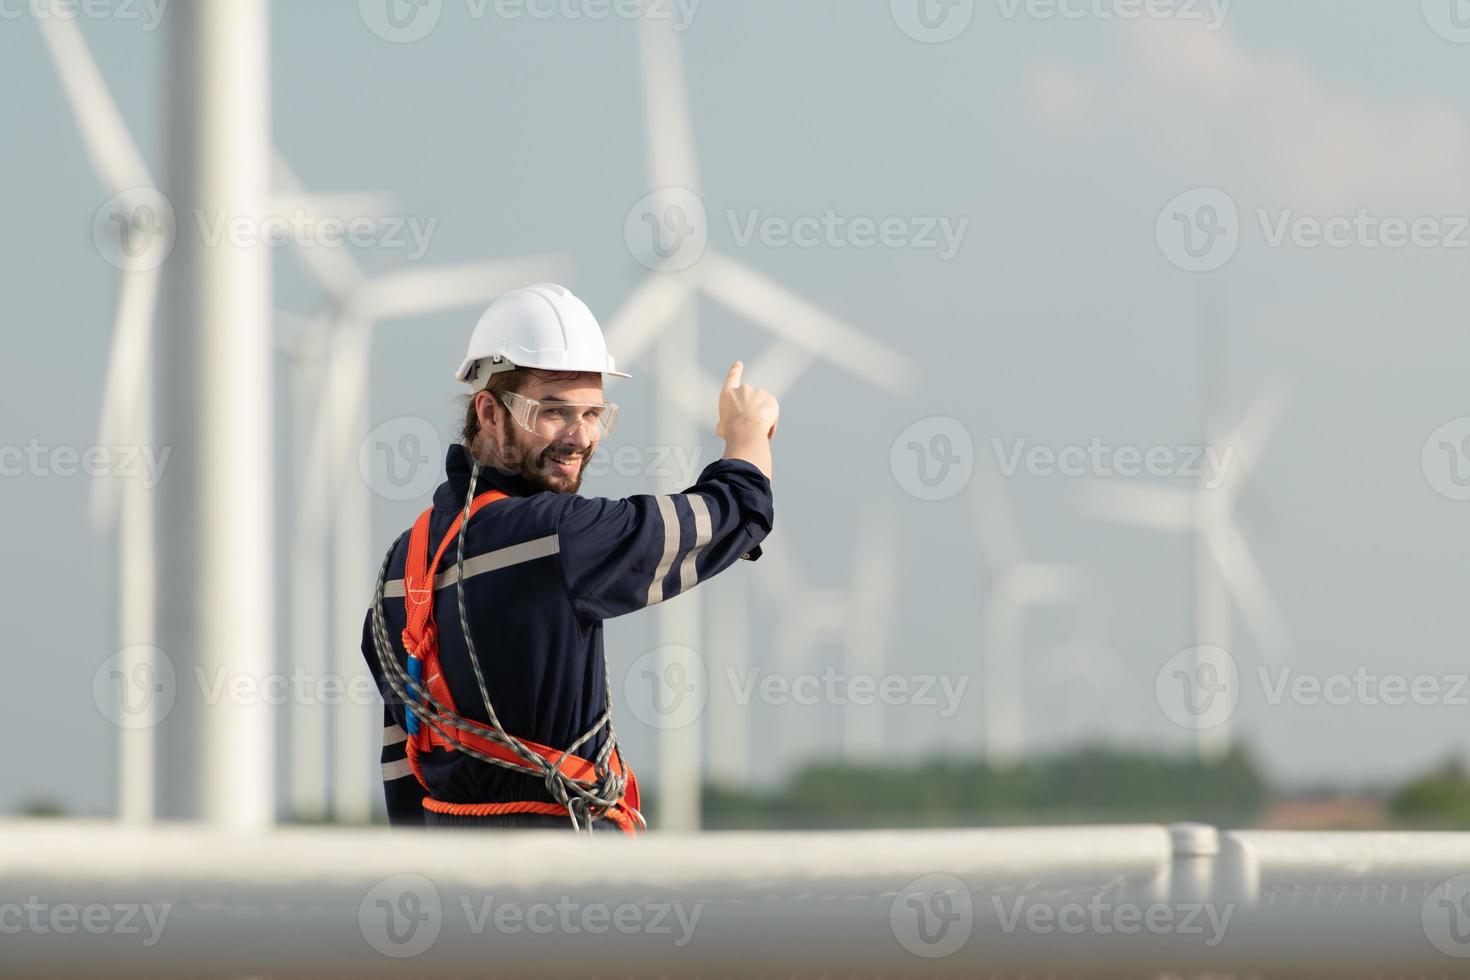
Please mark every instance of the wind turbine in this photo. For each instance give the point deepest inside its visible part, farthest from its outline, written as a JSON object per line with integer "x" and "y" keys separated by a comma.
{"x": 118, "y": 504}
{"x": 334, "y": 510}
{"x": 1016, "y": 585}
{"x": 661, "y": 313}
{"x": 1225, "y": 569}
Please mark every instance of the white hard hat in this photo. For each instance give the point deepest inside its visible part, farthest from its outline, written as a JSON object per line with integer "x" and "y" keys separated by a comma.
{"x": 542, "y": 326}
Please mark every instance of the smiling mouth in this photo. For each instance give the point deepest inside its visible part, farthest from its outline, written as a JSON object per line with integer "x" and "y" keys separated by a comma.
{"x": 567, "y": 465}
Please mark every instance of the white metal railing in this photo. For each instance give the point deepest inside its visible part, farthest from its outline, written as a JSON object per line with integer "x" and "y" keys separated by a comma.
{"x": 87, "y": 899}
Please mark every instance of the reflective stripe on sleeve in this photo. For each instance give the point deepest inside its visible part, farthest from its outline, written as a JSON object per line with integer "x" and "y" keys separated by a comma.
{"x": 671, "y": 548}
{"x": 704, "y": 533}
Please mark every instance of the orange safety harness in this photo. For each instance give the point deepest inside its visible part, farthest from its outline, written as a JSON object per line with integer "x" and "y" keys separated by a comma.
{"x": 421, "y": 640}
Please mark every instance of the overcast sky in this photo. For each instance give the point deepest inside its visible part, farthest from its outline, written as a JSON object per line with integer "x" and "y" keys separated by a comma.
{"x": 1008, "y": 208}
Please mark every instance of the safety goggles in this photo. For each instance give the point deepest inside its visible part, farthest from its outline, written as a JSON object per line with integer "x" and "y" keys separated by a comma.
{"x": 553, "y": 420}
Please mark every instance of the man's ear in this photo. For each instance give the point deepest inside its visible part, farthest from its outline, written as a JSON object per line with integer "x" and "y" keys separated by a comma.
{"x": 488, "y": 408}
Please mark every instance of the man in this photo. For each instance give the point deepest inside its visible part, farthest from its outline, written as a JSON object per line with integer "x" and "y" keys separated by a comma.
{"x": 501, "y": 648}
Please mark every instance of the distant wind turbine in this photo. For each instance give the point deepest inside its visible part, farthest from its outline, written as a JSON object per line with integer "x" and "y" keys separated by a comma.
{"x": 1016, "y": 585}
{"x": 1225, "y": 568}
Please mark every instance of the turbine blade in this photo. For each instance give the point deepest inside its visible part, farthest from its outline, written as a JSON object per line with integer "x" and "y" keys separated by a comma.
{"x": 1156, "y": 507}
{"x": 1247, "y": 441}
{"x": 671, "y": 155}
{"x": 333, "y": 268}
{"x": 802, "y": 324}
{"x": 109, "y": 146}
{"x": 1043, "y": 585}
{"x": 120, "y": 167}
{"x": 124, "y": 389}
{"x": 780, "y": 367}
{"x": 654, "y": 307}
{"x": 414, "y": 291}
{"x": 1237, "y": 564}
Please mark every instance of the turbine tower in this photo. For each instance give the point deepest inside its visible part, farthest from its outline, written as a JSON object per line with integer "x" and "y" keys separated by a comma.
{"x": 216, "y": 608}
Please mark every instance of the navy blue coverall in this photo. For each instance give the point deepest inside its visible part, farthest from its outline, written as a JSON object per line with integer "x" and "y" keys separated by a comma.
{"x": 543, "y": 570}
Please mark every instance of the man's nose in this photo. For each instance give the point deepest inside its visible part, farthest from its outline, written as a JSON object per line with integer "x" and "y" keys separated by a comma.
{"x": 580, "y": 438}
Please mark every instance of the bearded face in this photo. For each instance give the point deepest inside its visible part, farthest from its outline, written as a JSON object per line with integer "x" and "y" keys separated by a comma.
{"x": 555, "y": 464}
